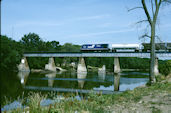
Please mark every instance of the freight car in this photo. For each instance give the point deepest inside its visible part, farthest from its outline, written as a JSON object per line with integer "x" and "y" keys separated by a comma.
{"x": 125, "y": 47}
{"x": 158, "y": 46}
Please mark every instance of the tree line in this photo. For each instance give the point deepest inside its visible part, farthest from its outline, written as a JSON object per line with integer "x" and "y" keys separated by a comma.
{"x": 12, "y": 52}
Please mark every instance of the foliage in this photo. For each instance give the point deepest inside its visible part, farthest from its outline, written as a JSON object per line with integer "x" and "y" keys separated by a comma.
{"x": 11, "y": 53}
{"x": 165, "y": 68}
{"x": 32, "y": 42}
{"x": 68, "y": 47}
{"x": 34, "y": 102}
{"x": 134, "y": 63}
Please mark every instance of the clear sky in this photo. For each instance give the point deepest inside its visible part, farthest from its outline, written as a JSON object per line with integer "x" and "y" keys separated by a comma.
{"x": 80, "y": 21}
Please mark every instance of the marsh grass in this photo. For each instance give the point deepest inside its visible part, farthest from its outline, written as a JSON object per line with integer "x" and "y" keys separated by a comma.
{"x": 90, "y": 103}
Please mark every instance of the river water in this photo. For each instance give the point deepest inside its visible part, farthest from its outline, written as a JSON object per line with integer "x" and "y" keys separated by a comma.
{"x": 14, "y": 85}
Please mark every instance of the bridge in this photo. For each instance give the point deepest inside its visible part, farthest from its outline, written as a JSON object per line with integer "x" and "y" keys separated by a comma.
{"x": 81, "y": 67}
{"x": 96, "y": 54}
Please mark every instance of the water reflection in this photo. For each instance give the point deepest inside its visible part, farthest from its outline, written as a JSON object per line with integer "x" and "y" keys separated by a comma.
{"x": 51, "y": 77}
{"x": 116, "y": 81}
{"x": 101, "y": 75}
{"x": 23, "y": 75}
{"x": 82, "y": 76}
{"x": 95, "y": 80}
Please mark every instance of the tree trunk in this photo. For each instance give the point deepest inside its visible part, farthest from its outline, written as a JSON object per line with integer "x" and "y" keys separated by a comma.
{"x": 152, "y": 54}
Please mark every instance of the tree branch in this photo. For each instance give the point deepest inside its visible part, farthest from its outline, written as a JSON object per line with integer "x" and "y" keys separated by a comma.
{"x": 146, "y": 12}
{"x": 134, "y": 8}
{"x": 141, "y": 21}
{"x": 157, "y": 10}
{"x": 156, "y": 3}
{"x": 145, "y": 35}
{"x": 152, "y": 7}
{"x": 158, "y": 38}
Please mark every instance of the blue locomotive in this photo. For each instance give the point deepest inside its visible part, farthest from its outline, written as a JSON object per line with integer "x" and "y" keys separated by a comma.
{"x": 95, "y": 48}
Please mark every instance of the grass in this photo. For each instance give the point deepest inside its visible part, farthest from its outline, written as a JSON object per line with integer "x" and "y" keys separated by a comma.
{"x": 92, "y": 103}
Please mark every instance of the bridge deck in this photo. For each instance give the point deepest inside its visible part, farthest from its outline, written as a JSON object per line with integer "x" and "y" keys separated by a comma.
{"x": 97, "y": 54}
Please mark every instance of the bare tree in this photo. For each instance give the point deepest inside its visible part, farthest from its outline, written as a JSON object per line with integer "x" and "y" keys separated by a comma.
{"x": 155, "y": 6}
{"x": 151, "y": 19}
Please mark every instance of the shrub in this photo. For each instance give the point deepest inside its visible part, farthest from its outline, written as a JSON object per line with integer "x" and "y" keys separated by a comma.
{"x": 165, "y": 68}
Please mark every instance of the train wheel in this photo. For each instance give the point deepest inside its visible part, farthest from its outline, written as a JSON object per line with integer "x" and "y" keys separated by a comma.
{"x": 136, "y": 50}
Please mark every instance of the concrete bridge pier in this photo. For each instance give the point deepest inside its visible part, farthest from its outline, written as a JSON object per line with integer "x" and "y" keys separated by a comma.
{"x": 51, "y": 65}
{"x": 116, "y": 65}
{"x": 81, "y": 65}
{"x": 116, "y": 82}
{"x": 156, "y": 70}
{"x": 23, "y": 66}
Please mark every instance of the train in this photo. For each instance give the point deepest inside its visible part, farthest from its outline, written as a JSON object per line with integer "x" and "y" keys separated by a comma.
{"x": 143, "y": 47}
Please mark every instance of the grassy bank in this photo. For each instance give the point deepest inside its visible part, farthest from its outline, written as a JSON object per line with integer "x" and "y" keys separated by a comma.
{"x": 155, "y": 98}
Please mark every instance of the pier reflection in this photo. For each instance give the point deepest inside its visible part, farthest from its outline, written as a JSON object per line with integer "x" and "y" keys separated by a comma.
{"x": 81, "y": 76}
{"x": 23, "y": 75}
{"x": 116, "y": 81}
{"x": 51, "y": 77}
{"x": 101, "y": 75}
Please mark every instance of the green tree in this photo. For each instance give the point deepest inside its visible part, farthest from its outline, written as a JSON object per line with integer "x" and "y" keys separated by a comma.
{"x": 53, "y": 46}
{"x": 32, "y": 42}
{"x": 165, "y": 68}
{"x": 68, "y": 47}
{"x": 11, "y": 53}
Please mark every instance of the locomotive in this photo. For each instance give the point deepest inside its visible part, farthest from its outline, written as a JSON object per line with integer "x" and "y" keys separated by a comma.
{"x": 144, "y": 47}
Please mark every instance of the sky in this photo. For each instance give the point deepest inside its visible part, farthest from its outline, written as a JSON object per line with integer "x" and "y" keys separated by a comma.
{"x": 81, "y": 21}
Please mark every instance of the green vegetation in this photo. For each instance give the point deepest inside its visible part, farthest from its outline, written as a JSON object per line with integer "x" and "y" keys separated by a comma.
{"x": 101, "y": 103}
{"x": 11, "y": 53}
{"x": 165, "y": 68}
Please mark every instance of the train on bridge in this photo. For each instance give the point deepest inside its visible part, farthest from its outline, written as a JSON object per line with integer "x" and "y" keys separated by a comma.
{"x": 144, "y": 47}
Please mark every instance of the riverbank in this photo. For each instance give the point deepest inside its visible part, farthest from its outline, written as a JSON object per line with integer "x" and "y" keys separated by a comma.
{"x": 155, "y": 98}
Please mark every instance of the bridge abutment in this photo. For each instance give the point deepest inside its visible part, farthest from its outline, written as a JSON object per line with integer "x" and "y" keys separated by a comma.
{"x": 156, "y": 70}
{"x": 81, "y": 65}
{"x": 51, "y": 65}
{"x": 116, "y": 65}
{"x": 23, "y": 66}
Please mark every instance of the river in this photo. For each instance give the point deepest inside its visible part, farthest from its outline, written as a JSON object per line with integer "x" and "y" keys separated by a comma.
{"x": 15, "y": 85}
